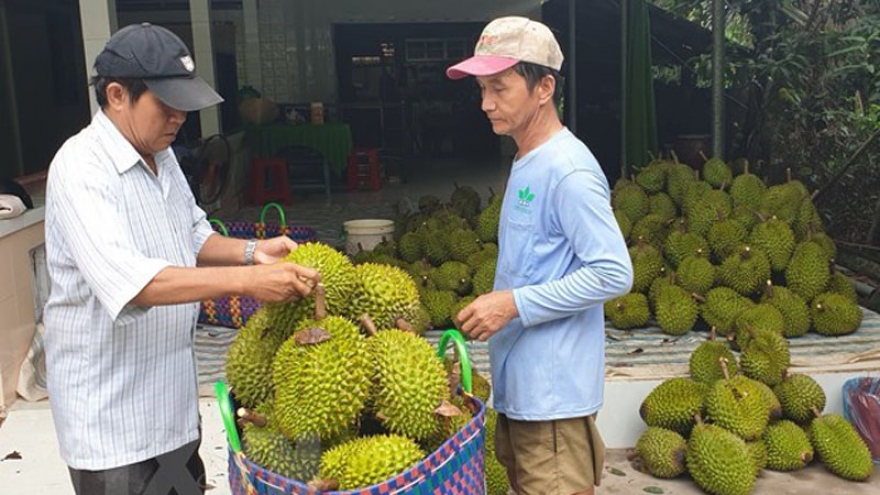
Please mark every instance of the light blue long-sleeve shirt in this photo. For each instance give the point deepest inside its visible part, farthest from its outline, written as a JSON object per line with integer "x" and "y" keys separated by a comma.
{"x": 562, "y": 254}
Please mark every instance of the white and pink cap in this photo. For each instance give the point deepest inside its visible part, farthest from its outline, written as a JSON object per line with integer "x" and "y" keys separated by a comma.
{"x": 507, "y": 41}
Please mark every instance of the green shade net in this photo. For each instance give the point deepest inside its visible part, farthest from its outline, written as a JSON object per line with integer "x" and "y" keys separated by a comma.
{"x": 639, "y": 119}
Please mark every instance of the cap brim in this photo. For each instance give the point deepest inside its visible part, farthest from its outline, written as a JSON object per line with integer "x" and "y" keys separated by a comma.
{"x": 184, "y": 93}
{"x": 481, "y": 65}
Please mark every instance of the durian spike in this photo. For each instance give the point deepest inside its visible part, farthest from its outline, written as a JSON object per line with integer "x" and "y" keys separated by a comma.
{"x": 368, "y": 325}
{"x": 324, "y": 485}
{"x": 723, "y": 361}
{"x": 404, "y": 325}
{"x": 769, "y": 288}
{"x": 703, "y": 156}
{"x": 320, "y": 302}
{"x": 252, "y": 417}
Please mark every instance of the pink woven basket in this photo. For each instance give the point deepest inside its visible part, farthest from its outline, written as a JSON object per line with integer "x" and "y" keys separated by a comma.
{"x": 457, "y": 467}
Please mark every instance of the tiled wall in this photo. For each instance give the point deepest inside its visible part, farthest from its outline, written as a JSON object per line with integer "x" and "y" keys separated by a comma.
{"x": 17, "y": 312}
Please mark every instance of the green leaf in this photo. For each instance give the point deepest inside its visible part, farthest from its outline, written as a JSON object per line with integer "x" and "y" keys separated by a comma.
{"x": 654, "y": 489}
{"x": 616, "y": 472}
{"x": 522, "y": 193}
{"x": 530, "y": 197}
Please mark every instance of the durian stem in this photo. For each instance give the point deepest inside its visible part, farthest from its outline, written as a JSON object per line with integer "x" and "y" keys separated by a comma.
{"x": 360, "y": 247}
{"x": 320, "y": 302}
{"x": 404, "y": 325}
{"x": 788, "y": 174}
{"x": 252, "y": 417}
{"x": 760, "y": 217}
{"x": 712, "y": 333}
{"x": 785, "y": 374}
{"x": 674, "y": 156}
{"x": 700, "y": 298}
{"x": 816, "y": 412}
{"x": 368, "y": 325}
{"x": 698, "y": 418}
{"x": 723, "y": 361}
{"x": 703, "y": 156}
{"x": 324, "y": 485}
{"x": 769, "y": 288}
{"x": 746, "y": 167}
{"x": 723, "y": 185}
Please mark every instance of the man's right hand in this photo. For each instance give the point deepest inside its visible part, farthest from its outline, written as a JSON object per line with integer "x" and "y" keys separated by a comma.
{"x": 280, "y": 282}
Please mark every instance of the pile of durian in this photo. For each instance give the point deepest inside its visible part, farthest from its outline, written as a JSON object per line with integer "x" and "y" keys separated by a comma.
{"x": 716, "y": 252}
{"x": 732, "y": 419}
{"x": 450, "y": 249}
{"x": 337, "y": 390}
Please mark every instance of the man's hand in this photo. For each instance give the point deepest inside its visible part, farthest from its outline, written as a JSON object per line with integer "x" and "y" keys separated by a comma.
{"x": 273, "y": 250}
{"x": 488, "y": 314}
{"x": 280, "y": 282}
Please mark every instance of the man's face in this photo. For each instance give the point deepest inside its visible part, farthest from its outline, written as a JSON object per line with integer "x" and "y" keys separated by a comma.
{"x": 152, "y": 124}
{"x": 507, "y": 101}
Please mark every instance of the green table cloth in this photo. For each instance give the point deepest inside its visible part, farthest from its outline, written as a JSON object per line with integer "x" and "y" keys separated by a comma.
{"x": 332, "y": 140}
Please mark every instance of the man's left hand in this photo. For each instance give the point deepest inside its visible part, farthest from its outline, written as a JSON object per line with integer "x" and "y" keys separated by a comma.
{"x": 488, "y": 314}
{"x": 273, "y": 250}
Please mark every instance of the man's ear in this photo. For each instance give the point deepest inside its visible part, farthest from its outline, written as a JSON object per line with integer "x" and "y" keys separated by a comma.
{"x": 546, "y": 88}
{"x": 117, "y": 96}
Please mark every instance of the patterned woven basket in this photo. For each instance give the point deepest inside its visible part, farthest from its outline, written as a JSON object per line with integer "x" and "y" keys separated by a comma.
{"x": 456, "y": 468}
{"x": 234, "y": 311}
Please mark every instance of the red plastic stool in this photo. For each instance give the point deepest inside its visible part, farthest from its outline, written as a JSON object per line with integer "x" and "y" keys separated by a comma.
{"x": 364, "y": 170}
{"x": 268, "y": 181}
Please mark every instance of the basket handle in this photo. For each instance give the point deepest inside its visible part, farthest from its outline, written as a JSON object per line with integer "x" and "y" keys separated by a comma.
{"x": 464, "y": 358}
{"x": 219, "y": 223}
{"x": 225, "y": 404}
{"x": 278, "y": 208}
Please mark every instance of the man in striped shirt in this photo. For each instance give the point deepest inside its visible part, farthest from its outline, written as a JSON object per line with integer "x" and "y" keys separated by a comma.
{"x": 124, "y": 237}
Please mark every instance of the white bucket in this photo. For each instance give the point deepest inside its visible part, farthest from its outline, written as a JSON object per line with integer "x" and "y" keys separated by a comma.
{"x": 367, "y": 232}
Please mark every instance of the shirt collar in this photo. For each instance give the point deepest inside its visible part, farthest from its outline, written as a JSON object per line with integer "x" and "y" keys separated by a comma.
{"x": 123, "y": 154}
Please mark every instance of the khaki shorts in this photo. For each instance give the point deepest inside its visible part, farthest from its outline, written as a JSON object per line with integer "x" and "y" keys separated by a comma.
{"x": 558, "y": 457}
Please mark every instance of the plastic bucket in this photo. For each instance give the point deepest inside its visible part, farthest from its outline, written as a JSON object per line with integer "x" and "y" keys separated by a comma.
{"x": 366, "y": 233}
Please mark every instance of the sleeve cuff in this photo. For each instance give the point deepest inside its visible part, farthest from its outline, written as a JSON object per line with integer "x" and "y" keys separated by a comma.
{"x": 201, "y": 235}
{"x": 520, "y": 299}
{"x": 116, "y": 304}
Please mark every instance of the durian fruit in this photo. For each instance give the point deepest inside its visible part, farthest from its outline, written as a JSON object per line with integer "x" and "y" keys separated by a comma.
{"x": 775, "y": 238}
{"x": 793, "y": 309}
{"x": 487, "y": 222}
{"x": 652, "y": 178}
{"x": 489, "y": 252}
{"x": 629, "y": 311}
{"x": 721, "y": 307}
{"x": 652, "y": 227}
{"x": 439, "y": 304}
{"x": 720, "y": 462}
{"x": 454, "y": 276}
{"x": 725, "y": 237}
{"x": 337, "y": 275}
{"x": 758, "y": 452}
{"x": 840, "y": 447}
{"x": 673, "y": 404}
{"x": 411, "y": 383}
{"x": 702, "y": 215}
{"x": 663, "y": 206}
{"x": 497, "y": 482}
{"x": 678, "y": 177}
{"x": 410, "y": 247}
{"x": 696, "y": 274}
{"x": 746, "y": 215}
{"x": 808, "y": 271}
{"x": 772, "y": 401}
{"x": 765, "y": 357}
{"x": 842, "y": 285}
{"x": 647, "y": 263}
{"x": 465, "y": 201}
{"x": 484, "y": 277}
{"x": 807, "y": 220}
{"x": 249, "y": 360}
{"x": 429, "y": 203}
{"x": 737, "y": 405}
{"x": 788, "y": 448}
{"x": 366, "y": 461}
{"x": 665, "y": 279}
{"x": 462, "y": 244}
{"x": 745, "y": 271}
{"x": 632, "y": 201}
{"x": 747, "y": 188}
{"x": 623, "y": 223}
{"x": 457, "y": 308}
{"x": 386, "y": 293}
{"x": 717, "y": 172}
{"x": 322, "y": 376}
{"x": 835, "y": 315}
{"x": 799, "y": 395}
{"x": 662, "y": 452}
{"x": 704, "y": 362}
{"x": 677, "y": 311}
{"x": 434, "y": 245}
{"x": 759, "y": 318}
{"x": 825, "y": 242}
{"x": 265, "y": 445}
{"x": 693, "y": 193}
{"x": 680, "y": 244}
{"x": 419, "y": 271}
{"x": 783, "y": 201}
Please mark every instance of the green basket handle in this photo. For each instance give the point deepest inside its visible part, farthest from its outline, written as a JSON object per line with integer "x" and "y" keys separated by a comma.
{"x": 464, "y": 358}
{"x": 228, "y": 418}
{"x": 219, "y": 223}
{"x": 277, "y": 208}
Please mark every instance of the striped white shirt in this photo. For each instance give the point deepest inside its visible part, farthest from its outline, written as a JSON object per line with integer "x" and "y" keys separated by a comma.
{"x": 122, "y": 379}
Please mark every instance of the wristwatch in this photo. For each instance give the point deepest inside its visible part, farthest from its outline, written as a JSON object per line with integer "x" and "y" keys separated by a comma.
{"x": 249, "y": 249}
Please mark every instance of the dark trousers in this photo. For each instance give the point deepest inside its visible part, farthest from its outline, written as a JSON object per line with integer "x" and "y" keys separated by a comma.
{"x": 179, "y": 472}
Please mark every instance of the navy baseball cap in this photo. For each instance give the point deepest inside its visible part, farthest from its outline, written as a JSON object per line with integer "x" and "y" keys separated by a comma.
{"x": 159, "y": 58}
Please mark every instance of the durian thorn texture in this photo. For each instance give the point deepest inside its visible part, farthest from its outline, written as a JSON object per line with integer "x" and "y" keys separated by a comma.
{"x": 320, "y": 302}
{"x": 368, "y": 325}
{"x": 447, "y": 409}
{"x": 404, "y": 325}
{"x": 252, "y": 417}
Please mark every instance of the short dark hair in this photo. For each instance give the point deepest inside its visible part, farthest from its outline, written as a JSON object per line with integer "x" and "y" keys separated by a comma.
{"x": 135, "y": 87}
{"x": 534, "y": 73}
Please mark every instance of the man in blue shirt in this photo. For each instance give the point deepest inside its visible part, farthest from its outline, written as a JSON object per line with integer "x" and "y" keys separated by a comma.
{"x": 561, "y": 256}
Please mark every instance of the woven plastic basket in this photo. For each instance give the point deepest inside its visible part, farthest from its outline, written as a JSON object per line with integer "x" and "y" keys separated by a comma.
{"x": 234, "y": 311}
{"x": 861, "y": 407}
{"x": 457, "y": 467}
